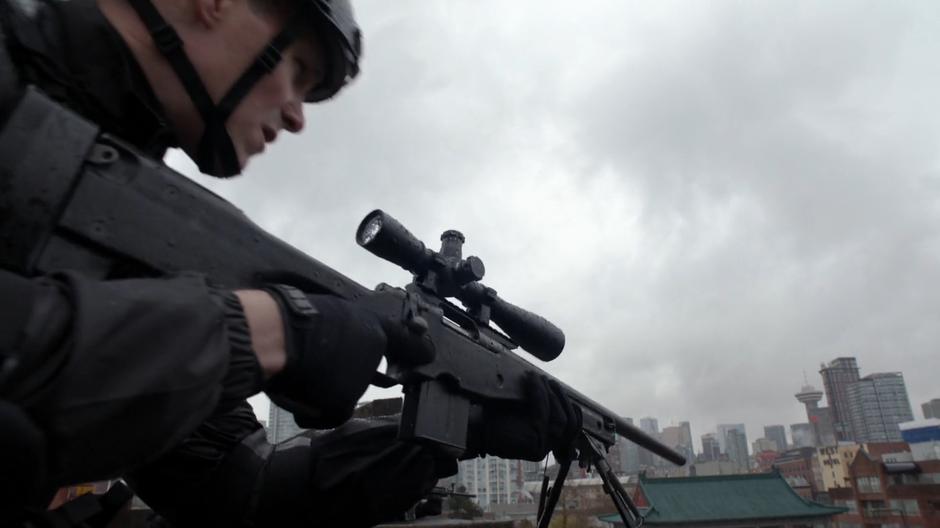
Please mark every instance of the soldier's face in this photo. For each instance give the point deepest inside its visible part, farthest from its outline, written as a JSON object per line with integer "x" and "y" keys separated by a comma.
{"x": 275, "y": 103}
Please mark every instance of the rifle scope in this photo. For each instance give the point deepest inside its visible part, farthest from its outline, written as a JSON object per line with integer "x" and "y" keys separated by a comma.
{"x": 454, "y": 276}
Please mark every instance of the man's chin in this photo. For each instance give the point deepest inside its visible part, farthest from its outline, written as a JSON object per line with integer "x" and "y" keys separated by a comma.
{"x": 217, "y": 168}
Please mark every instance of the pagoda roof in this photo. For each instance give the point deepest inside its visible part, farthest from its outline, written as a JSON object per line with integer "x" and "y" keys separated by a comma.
{"x": 724, "y": 498}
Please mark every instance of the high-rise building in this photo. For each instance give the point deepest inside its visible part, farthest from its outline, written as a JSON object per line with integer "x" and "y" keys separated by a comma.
{"x": 778, "y": 434}
{"x": 711, "y": 449}
{"x": 629, "y": 457}
{"x": 803, "y": 435}
{"x": 629, "y": 454}
{"x": 671, "y": 436}
{"x": 931, "y": 409}
{"x": 819, "y": 417}
{"x": 723, "y": 430}
{"x": 650, "y": 425}
{"x": 679, "y": 438}
{"x": 737, "y": 449}
{"x": 531, "y": 471}
{"x": 877, "y": 404}
{"x": 685, "y": 438}
{"x": 764, "y": 444}
{"x": 490, "y": 479}
{"x": 281, "y": 425}
{"x": 837, "y": 376}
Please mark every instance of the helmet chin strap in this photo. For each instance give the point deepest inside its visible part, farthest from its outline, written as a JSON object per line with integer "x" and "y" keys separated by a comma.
{"x": 216, "y": 153}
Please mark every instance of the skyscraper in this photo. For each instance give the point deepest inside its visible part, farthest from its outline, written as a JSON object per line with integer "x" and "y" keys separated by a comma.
{"x": 819, "y": 417}
{"x": 679, "y": 437}
{"x": 931, "y": 409}
{"x": 723, "y": 430}
{"x": 629, "y": 454}
{"x": 764, "y": 444}
{"x": 737, "y": 449}
{"x": 837, "y": 376}
{"x": 778, "y": 434}
{"x": 877, "y": 404}
{"x": 650, "y": 425}
{"x": 671, "y": 436}
{"x": 803, "y": 435}
{"x": 686, "y": 439}
{"x": 711, "y": 449}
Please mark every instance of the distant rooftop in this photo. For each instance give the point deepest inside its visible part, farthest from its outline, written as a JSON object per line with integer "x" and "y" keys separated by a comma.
{"x": 919, "y": 424}
{"x": 876, "y": 375}
{"x": 725, "y": 498}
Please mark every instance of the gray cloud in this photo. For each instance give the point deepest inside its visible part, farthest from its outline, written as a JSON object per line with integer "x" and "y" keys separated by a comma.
{"x": 710, "y": 198}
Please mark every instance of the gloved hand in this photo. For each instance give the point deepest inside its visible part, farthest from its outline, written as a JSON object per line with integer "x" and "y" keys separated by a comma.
{"x": 356, "y": 475}
{"x": 546, "y": 421}
{"x": 333, "y": 350}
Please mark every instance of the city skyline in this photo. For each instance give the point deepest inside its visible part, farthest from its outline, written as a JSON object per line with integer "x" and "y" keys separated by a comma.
{"x": 753, "y": 431}
{"x": 704, "y": 224}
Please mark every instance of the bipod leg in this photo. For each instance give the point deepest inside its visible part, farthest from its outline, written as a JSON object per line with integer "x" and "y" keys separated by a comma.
{"x": 592, "y": 453}
{"x": 543, "y": 495}
{"x": 545, "y": 514}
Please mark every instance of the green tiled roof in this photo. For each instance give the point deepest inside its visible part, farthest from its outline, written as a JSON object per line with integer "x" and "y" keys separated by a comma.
{"x": 725, "y": 498}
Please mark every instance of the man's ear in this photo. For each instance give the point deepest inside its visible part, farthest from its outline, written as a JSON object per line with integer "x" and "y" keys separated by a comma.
{"x": 210, "y": 13}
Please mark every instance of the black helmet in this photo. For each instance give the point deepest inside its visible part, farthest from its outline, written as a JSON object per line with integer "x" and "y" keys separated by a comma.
{"x": 334, "y": 22}
{"x": 331, "y": 21}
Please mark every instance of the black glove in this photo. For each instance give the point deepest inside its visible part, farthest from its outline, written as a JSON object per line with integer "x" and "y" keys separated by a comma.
{"x": 546, "y": 421}
{"x": 360, "y": 475}
{"x": 333, "y": 350}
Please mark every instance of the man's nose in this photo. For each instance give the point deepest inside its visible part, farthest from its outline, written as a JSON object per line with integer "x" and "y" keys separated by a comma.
{"x": 293, "y": 115}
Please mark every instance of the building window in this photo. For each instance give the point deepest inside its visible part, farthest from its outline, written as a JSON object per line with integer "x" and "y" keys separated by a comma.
{"x": 850, "y": 504}
{"x": 874, "y": 508}
{"x": 905, "y": 506}
{"x": 868, "y": 484}
{"x": 904, "y": 478}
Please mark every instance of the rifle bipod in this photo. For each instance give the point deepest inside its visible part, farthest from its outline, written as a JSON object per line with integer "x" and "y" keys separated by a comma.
{"x": 589, "y": 454}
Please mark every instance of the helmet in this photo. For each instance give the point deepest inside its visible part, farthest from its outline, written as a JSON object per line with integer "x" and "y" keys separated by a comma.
{"x": 332, "y": 21}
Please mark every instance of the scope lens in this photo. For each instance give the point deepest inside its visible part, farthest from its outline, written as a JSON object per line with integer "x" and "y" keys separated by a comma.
{"x": 369, "y": 231}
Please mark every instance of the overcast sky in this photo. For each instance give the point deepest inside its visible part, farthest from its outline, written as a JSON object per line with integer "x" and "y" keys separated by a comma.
{"x": 710, "y": 198}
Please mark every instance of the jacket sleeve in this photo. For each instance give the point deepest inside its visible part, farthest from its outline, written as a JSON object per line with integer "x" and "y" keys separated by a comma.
{"x": 227, "y": 474}
{"x": 116, "y": 372}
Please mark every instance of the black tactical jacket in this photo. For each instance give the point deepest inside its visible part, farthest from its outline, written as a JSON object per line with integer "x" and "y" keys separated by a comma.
{"x": 112, "y": 372}
{"x": 148, "y": 377}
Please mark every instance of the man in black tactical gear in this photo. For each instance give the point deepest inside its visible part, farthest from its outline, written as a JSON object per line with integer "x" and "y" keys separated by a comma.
{"x": 148, "y": 377}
